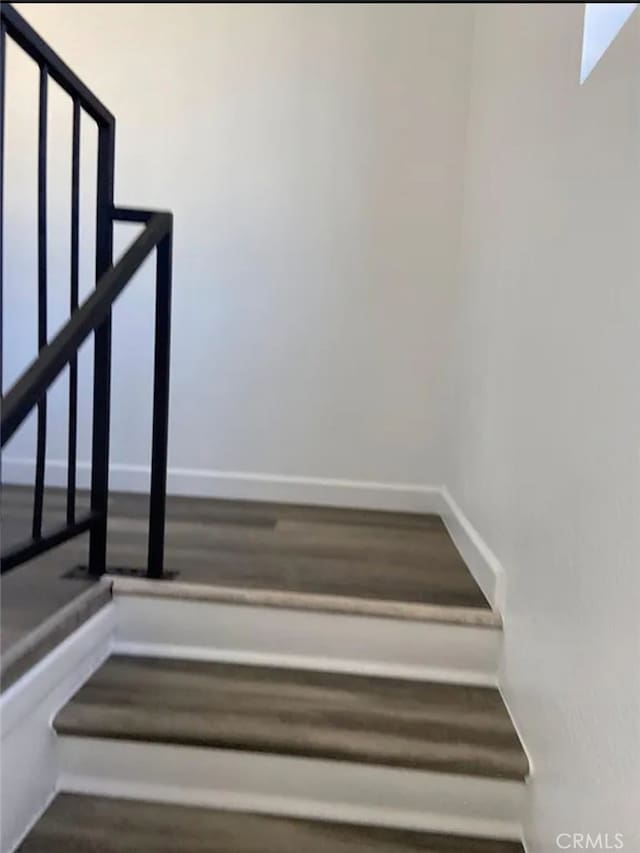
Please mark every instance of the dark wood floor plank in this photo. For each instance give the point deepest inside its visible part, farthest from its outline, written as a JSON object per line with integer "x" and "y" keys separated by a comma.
{"x": 443, "y": 727}
{"x": 36, "y": 591}
{"x": 78, "y": 824}
{"x": 399, "y": 557}
{"x": 30, "y": 648}
{"x": 303, "y": 573}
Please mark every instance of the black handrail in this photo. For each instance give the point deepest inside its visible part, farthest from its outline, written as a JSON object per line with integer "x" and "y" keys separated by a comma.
{"x": 29, "y": 40}
{"x": 94, "y": 315}
{"x": 33, "y": 383}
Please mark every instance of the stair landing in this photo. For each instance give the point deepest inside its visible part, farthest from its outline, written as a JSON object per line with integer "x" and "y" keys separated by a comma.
{"x": 389, "y": 556}
{"x": 323, "y": 558}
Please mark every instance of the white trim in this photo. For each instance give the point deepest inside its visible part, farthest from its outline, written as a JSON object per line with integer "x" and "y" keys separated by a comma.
{"x": 207, "y": 630}
{"x": 480, "y": 559}
{"x": 29, "y": 766}
{"x": 322, "y": 491}
{"x": 517, "y": 728}
{"x": 523, "y": 744}
{"x": 30, "y": 825}
{"x": 300, "y": 787}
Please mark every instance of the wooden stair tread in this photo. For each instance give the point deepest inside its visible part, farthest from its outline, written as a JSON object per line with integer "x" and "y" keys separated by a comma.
{"x": 429, "y": 726}
{"x": 75, "y": 824}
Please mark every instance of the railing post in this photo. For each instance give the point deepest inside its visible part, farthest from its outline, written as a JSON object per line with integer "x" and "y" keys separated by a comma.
{"x": 102, "y": 356}
{"x": 41, "y": 438}
{"x": 72, "y": 438}
{"x": 157, "y": 500}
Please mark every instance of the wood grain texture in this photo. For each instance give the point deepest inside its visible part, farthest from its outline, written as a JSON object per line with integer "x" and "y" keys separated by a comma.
{"x": 35, "y": 591}
{"x": 78, "y": 824}
{"x": 431, "y": 726}
{"x": 31, "y": 647}
{"x": 359, "y": 554}
{"x": 349, "y": 553}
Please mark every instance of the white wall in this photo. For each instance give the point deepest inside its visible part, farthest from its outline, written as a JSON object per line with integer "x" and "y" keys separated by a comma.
{"x": 545, "y": 417}
{"x": 312, "y": 157}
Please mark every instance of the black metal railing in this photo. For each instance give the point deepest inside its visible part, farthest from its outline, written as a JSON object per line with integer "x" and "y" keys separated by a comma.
{"x": 94, "y": 316}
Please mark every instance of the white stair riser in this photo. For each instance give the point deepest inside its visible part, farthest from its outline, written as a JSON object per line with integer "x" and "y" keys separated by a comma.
{"x": 299, "y": 787}
{"x": 207, "y": 630}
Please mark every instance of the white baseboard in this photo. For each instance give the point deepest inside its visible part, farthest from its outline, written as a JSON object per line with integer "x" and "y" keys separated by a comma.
{"x": 480, "y": 559}
{"x": 321, "y": 491}
{"x": 29, "y": 757}
{"x": 297, "y": 787}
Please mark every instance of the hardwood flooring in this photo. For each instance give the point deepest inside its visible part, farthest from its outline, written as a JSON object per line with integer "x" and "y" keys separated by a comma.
{"x": 31, "y": 647}
{"x": 78, "y": 824}
{"x": 323, "y": 551}
{"x": 431, "y": 726}
{"x": 396, "y": 557}
{"x": 34, "y": 592}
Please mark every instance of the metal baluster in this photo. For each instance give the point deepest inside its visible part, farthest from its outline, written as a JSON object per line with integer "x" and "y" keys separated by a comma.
{"x": 41, "y": 442}
{"x": 102, "y": 357}
{"x": 159, "y": 446}
{"x": 73, "y": 304}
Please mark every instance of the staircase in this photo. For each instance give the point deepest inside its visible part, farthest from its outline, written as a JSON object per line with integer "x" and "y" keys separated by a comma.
{"x": 348, "y": 761}
{"x": 195, "y": 717}
{"x": 315, "y": 690}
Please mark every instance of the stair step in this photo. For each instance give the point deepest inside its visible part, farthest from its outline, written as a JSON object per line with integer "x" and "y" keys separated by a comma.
{"x": 105, "y": 825}
{"x": 310, "y": 602}
{"x": 447, "y": 728}
{"x": 172, "y": 620}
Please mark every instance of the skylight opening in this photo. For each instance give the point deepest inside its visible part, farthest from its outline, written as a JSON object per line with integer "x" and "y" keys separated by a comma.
{"x": 602, "y": 23}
